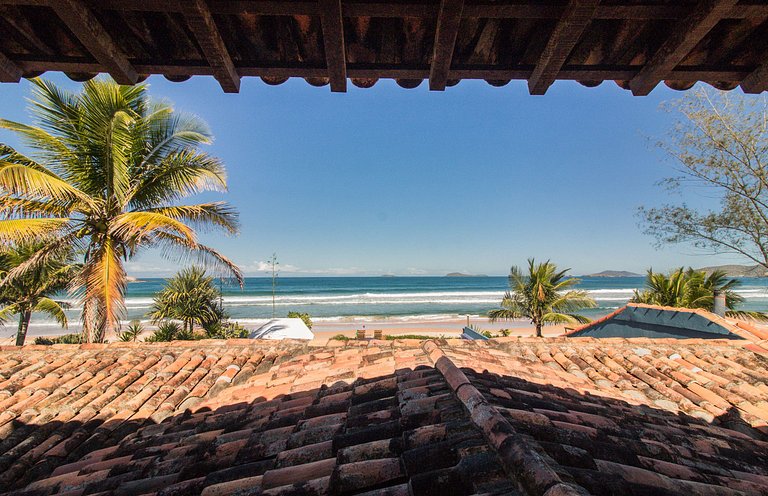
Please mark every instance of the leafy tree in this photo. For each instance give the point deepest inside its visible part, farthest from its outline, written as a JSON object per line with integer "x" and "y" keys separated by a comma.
{"x": 720, "y": 145}
{"x": 105, "y": 177}
{"x": 544, "y": 295}
{"x": 692, "y": 289}
{"x": 191, "y": 297}
{"x": 303, "y": 316}
{"x": 35, "y": 290}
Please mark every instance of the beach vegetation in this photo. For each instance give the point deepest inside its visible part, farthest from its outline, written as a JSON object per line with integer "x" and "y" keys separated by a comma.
{"x": 223, "y": 329}
{"x": 342, "y": 337}
{"x": 167, "y": 331}
{"x": 719, "y": 144}
{"x": 35, "y": 290}
{"x": 106, "y": 177}
{"x": 132, "y": 332}
{"x": 544, "y": 295}
{"x": 303, "y": 316}
{"x": 64, "y": 339}
{"x": 689, "y": 288}
{"x": 190, "y": 297}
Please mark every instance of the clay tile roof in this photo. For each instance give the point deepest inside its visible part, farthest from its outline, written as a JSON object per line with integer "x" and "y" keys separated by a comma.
{"x": 517, "y": 416}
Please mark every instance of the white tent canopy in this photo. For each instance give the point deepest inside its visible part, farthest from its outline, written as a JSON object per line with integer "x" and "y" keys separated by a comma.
{"x": 283, "y": 329}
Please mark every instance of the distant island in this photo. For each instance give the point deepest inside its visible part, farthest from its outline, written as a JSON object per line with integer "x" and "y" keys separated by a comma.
{"x": 738, "y": 270}
{"x": 460, "y": 274}
{"x": 614, "y": 273}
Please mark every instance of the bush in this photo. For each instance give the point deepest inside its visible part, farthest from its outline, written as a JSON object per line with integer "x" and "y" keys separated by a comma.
{"x": 132, "y": 332}
{"x": 167, "y": 331}
{"x": 226, "y": 330}
{"x": 65, "y": 339}
{"x": 303, "y": 316}
{"x": 505, "y": 332}
{"x": 340, "y": 337}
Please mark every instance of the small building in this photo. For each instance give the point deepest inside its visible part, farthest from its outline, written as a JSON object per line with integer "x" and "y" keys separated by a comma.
{"x": 636, "y": 320}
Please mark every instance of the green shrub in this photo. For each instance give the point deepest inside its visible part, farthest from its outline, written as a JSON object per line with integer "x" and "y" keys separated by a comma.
{"x": 505, "y": 332}
{"x": 225, "y": 330}
{"x": 166, "y": 331}
{"x": 65, "y": 339}
{"x": 132, "y": 332}
{"x": 302, "y": 316}
{"x": 340, "y": 337}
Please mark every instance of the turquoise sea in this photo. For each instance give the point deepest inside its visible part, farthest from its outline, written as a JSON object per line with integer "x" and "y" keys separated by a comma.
{"x": 344, "y": 299}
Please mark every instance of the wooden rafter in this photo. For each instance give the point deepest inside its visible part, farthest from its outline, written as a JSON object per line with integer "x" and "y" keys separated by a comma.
{"x": 84, "y": 25}
{"x": 448, "y": 22}
{"x": 333, "y": 40}
{"x": 575, "y": 19}
{"x": 203, "y": 26}
{"x": 686, "y": 34}
{"x": 757, "y": 80}
{"x": 9, "y": 72}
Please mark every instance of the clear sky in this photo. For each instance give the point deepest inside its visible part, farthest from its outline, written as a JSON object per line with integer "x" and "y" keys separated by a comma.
{"x": 393, "y": 181}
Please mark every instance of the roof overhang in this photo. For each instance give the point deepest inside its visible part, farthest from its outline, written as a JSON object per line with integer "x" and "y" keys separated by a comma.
{"x": 638, "y": 45}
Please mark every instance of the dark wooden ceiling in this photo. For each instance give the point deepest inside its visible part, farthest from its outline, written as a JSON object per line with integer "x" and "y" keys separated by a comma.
{"x": 636, "y": 43}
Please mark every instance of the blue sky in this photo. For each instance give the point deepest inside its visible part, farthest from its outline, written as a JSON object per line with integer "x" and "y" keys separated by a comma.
{"x": 388, "y": 180}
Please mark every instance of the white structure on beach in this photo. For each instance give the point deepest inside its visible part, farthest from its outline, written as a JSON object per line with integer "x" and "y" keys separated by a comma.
{"x": 283, "y": 329}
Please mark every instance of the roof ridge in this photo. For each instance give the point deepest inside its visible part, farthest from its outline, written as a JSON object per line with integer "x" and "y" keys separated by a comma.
{"x": 517, "y": 456}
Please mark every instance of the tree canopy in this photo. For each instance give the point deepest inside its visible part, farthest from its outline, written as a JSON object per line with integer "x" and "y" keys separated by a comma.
{"x": 545, "y": 295}
{"x": 719, "y": 144}
{"x": 107, "y": 171}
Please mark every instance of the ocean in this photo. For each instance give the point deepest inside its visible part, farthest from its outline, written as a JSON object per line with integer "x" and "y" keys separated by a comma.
{"x": 394, "y": 299}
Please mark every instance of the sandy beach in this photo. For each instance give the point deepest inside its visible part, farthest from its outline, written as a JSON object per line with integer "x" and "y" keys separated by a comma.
{"x": 451, "y": 328}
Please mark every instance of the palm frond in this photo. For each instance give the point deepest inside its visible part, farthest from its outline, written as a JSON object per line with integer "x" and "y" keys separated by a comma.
{"x": 24, "y": 181}
{"x": 135, "y": 227}
{"x": 52, "y": 308}
{"x": 219, "y": 214}
{"x": 15, "y": 231}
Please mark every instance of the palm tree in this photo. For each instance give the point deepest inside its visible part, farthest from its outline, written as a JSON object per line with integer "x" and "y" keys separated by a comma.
{"x": 693, "y": 289}
{"x": 191, "y": 297}
{"x": 108, "y": 170}
{"x": 544, "y": 295}
{"x": 34, "y": 290}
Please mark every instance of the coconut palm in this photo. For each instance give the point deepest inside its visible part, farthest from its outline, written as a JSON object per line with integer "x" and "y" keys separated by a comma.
{"x": 106, "y": 174}
{"x": 693, "y": 289}
{"x": 35, "y": 289}
{"x": 191, "y": 297}
{"x": 544, "y": 295}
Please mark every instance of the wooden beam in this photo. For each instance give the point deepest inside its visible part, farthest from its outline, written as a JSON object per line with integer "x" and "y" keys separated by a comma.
{"x": 384, "y": 71}
{"x": 333, "y": 38}
{"x": 203, "y": 26}
{"x": 9, "y": 71}
{"x": 575, "y": 19}
{"x": 686, "y": 34}
{"x": 448, "y": 22}
{"x": 84, "y": 25}
{"x": 757, "y": 80}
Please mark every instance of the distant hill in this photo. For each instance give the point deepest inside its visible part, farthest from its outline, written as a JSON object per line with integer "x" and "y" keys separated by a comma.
{"x": 738, "y": 270}
{"x": 614, "y": 273}
{"x": 459, "y": 274}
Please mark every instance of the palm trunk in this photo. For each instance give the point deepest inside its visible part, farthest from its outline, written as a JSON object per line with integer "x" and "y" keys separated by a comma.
{"x": 21, "y": 335}
{"x": 538, "y": 329}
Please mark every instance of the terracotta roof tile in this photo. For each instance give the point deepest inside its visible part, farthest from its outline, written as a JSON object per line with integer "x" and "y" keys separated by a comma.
{"x": 513, "y": 416}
